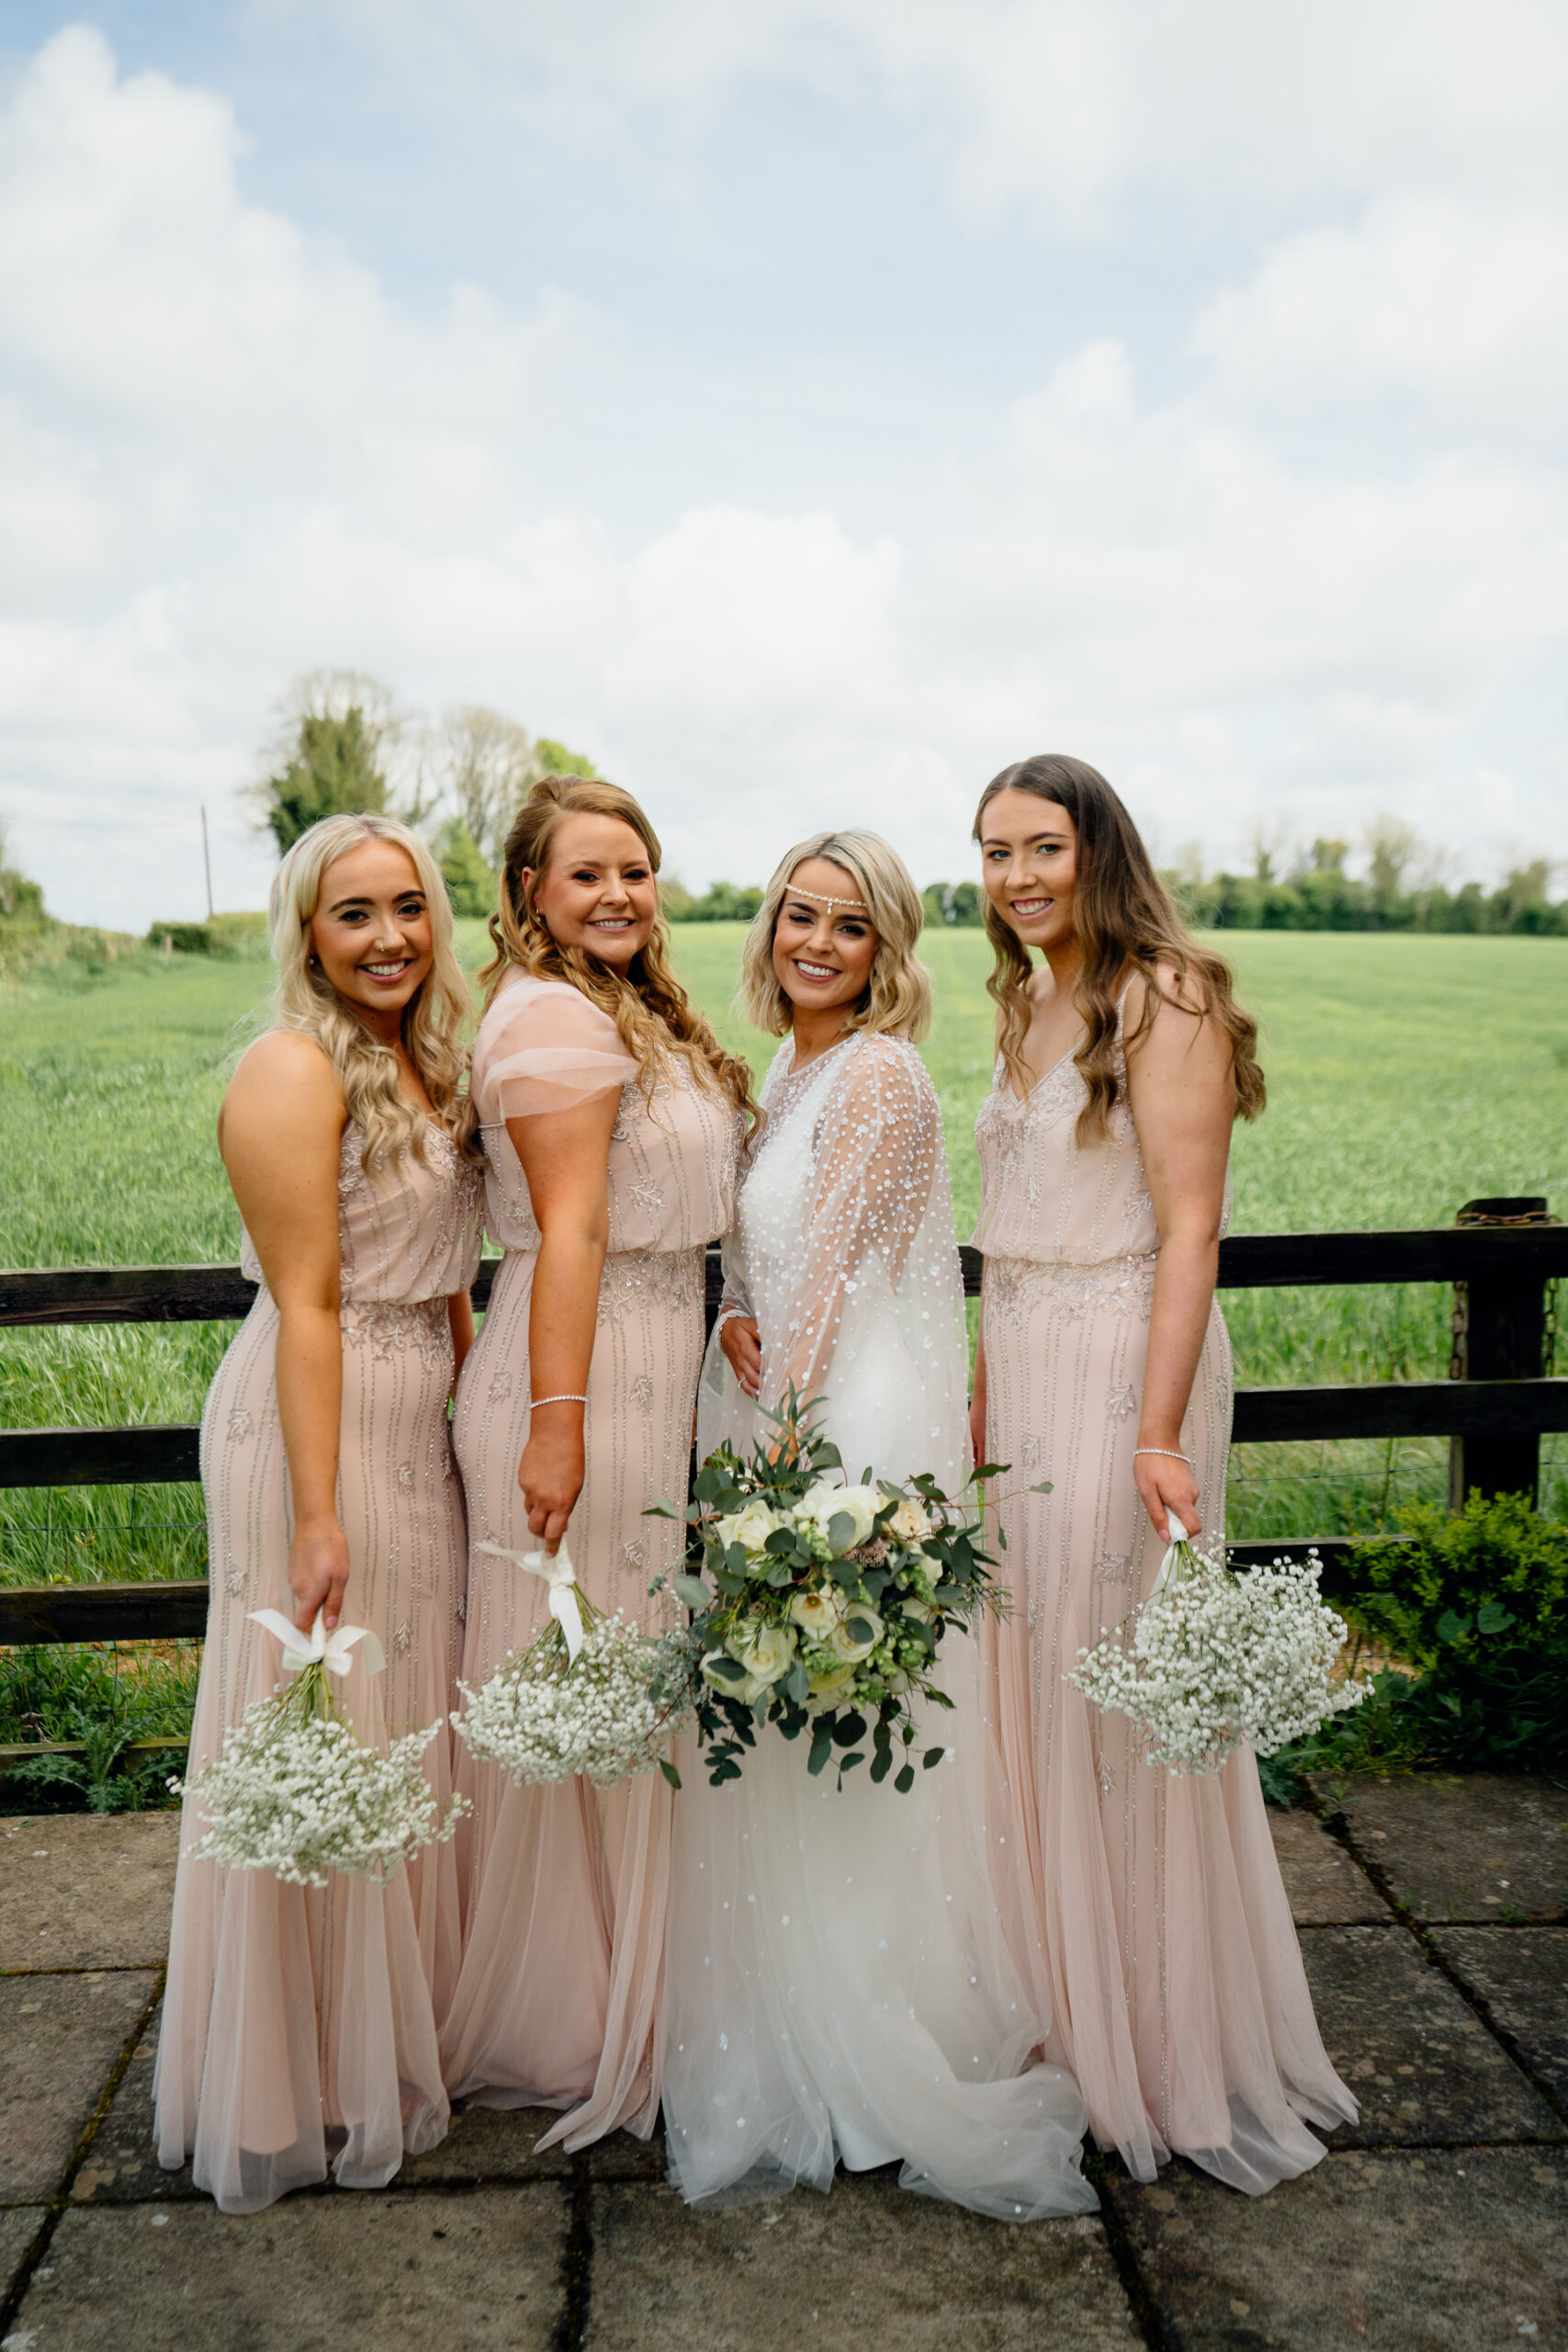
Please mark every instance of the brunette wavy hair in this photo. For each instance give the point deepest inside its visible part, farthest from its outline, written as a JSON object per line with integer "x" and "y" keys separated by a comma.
{"x": 898, "y": 998}
{"x": 649, "y": 1006}
{"x": 306, "y": 1002}
{"x": 1127, "y": 922}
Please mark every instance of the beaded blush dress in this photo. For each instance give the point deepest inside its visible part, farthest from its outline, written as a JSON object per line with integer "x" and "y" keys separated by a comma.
{"x": 1146, "y": 1907}
{"x": 564, "y": 1886}
{"x": 299, "y": 2028}
{"x": 836, "y": 1986}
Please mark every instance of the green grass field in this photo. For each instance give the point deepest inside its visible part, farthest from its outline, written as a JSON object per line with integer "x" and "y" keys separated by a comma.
{"x": 1407, "y": 1075}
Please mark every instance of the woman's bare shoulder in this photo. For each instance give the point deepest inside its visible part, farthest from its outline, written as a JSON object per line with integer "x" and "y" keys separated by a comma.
{"x": 287, "y": 1073}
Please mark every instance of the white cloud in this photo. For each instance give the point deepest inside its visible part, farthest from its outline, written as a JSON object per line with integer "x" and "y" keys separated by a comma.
{"x": 1072, "y": 104}
{"x": 227, "y": 453}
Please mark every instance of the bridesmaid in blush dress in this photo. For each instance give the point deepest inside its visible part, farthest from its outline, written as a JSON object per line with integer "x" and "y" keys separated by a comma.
{"x": 1147, "y": 1907}
{"x": 300, "y": 2024}
{"x": 612, "y": 1124}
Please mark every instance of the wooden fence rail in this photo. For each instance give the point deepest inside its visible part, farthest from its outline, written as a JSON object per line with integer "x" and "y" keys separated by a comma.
{"x": 1500, "y": 1399}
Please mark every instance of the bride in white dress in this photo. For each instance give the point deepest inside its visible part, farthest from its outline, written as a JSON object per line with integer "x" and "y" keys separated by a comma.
{"x": 836, "y": 1983}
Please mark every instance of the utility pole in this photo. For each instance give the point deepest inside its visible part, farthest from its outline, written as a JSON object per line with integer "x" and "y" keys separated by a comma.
{"x": 207, "y": 861}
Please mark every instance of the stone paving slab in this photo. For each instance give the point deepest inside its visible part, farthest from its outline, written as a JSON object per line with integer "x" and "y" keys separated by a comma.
{"x": 1480, "y": 1848}
{"x": 380, "y": 2272}
{"x": 869, "y": 2269}
{"x": 19, "y": 2226}
{"x": 1454, "y": 2252}
{"x": 1421, "y": 2065}
{"x": 84, "y": 1890}
{"x": 59, "y": 2038}
{"x": 1325, "y": 1887}
{"x": 1521, "y": 1974}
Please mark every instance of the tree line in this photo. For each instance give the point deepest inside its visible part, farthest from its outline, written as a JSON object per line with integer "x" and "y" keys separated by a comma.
{"x": 1404, "y": 887}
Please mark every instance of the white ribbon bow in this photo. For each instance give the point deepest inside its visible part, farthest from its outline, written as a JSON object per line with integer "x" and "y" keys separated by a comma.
{"x": 557, "y": 1570}
{"x": 318, "y": 1647}
{"x": 1178, "y": 1536}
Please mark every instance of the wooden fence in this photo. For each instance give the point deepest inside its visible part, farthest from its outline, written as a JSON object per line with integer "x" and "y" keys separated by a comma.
{"x": 1501, "y": 1257}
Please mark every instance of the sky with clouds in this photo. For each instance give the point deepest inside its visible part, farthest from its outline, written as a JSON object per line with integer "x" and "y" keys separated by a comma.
{"x": 804, "y": 407}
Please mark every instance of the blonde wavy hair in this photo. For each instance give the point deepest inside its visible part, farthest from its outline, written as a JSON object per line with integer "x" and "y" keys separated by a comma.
{"x": 1127, "y": 922}
{"x": 649, "y": 1008}
{"x": 898, "y": 998}
{"x": 306, "y": 1001}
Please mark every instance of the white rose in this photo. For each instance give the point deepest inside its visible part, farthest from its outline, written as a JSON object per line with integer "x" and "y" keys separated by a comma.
{"x": 842, "y": 1642}
{"x": 909, "y": 1523}
{"x": 765, "y": 1651}
{"x": 830, "y": 1687}
{"x": 823, "y": 1503}
{"x": 816, "y": 1613}
{"x": 751, "y": 1526}
{"x": 748, "y": 1692}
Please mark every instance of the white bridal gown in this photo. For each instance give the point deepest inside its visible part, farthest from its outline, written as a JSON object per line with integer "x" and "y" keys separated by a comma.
{"x": 836, "y": 1982}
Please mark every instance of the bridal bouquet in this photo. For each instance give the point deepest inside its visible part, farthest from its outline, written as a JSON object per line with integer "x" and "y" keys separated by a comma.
{"x": 577, "y": 1699}
{"x": 297, "y": 1791}
{"x": 821, "y": 1607}
{"x": 1220, "y": 1658}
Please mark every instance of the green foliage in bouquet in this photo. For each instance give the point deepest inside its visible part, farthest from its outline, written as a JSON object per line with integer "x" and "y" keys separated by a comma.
{"x": 819, "y": 1607}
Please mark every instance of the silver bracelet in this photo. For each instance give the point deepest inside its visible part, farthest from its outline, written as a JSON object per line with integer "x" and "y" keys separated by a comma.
{"x": 534, "y": 1402}
{"x": 1169, "y": 1452}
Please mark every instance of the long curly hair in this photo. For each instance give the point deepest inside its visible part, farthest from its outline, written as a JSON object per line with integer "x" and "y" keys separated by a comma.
{"x": 1125, "y": 919}
{"x": 306, "y": 1001}
{"x": 649, "y": 1008}
{"x": 898, "y": 999}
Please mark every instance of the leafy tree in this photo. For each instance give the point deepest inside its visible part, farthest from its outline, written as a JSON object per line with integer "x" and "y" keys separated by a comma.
{"x": 470, "y": 878}
{"x": 556, "y": 760}
{"x": 485, "y": 764}
{"x": 338, "y": 731}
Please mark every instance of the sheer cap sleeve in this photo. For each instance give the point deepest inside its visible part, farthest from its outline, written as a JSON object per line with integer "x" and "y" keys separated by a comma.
{"x": 543, "y": 1046}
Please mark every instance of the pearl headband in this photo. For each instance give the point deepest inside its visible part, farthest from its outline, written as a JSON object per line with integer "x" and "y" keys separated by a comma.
{"x": 794, "y": 891}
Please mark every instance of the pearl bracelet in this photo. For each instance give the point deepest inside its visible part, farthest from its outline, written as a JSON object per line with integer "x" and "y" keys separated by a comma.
{"x": 1168, "y": 1452}
{"x": 534, "y": 1402}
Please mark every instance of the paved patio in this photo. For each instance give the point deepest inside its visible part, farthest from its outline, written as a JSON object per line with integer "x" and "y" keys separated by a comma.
{"x": 1434, "y": 1917}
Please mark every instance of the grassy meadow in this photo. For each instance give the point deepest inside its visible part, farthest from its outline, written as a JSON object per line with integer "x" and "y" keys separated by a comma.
{"x": 1407, "y": 1075}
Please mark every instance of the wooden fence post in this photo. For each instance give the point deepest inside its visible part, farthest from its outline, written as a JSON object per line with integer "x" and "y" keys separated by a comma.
{"x": 1499, "y": 1333}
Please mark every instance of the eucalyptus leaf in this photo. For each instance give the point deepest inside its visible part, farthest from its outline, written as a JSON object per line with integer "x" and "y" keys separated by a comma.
{"x": 1045, "y": 1486}
{"x": 845, "y": 1761}
{"x": 932, "y": 1756}
{"x": 904, "y": 1781}
{"x": 693, "y": 1591}
{"x": 670, "y": 1772}
{"x": 841, "y": 1531}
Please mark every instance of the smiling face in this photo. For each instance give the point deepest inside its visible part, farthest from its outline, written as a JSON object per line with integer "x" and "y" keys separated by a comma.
{"x": 598, "y": 890}
{"x": 371, "y": 931}
{"x": 1029, "y": 863}
{"x": 822, "y": 953}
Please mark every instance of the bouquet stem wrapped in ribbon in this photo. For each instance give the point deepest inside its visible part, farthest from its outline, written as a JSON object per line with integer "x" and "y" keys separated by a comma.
{"x": 577, "y": 1699}
{"x": 1219, "y": 1658}
{"x": 297, "y": 1791}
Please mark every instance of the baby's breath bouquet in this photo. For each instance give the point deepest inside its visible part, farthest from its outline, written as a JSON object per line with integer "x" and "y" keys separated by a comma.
{"x": 1219, "y": 1659}
{"x": 819, "y": 1607}
{"x": 297, "y": 1791}
{"x": 577, "y": 1699}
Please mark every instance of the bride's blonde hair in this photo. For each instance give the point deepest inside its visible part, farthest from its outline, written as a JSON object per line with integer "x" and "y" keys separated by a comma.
{"x": 898, "y": 999}
{"x": 306, "y": 1001}
{"x": 649, "y": 1008}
